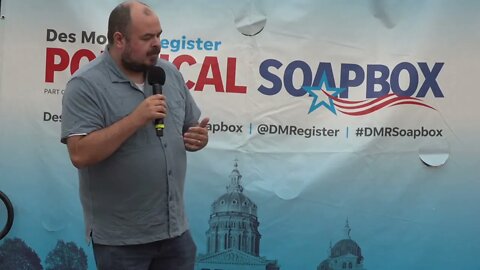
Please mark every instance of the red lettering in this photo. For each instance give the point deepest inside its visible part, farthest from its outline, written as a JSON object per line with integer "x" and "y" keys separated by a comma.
{"x": 210, "y": 73}
{"x": 165, "y": 57}
{"x": 185, "y": 59}
{"x": 51, "y": 66}
{"x": 75, "y": 63}
{"x": 210, "y": 63}
{"x": 231, "y": 73}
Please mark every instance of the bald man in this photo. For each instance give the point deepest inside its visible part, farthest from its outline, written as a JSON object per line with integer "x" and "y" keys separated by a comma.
{"x": 131, "y": 180}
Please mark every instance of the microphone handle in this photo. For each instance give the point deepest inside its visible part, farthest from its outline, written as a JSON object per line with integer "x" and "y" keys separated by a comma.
{"x": 159, "y": 125}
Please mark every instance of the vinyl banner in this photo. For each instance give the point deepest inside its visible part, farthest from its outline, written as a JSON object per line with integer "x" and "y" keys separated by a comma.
{"x": 342, "y": 134}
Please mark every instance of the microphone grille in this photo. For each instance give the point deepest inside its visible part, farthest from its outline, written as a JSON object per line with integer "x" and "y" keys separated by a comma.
{"x": 156, "y": 75}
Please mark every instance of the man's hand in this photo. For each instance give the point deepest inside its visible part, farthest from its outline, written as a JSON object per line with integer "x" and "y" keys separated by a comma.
{"x": 196, "y": 137}
{"x": 153, "y": 107}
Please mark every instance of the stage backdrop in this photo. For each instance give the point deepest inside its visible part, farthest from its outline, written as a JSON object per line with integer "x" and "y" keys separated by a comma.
{"x": 343, "y": 134}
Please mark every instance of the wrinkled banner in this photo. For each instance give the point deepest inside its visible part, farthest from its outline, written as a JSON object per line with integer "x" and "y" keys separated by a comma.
{"x": 342, "y": 133}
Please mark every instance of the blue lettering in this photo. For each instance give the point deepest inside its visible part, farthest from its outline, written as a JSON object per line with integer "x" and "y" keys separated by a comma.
{"x": 327, "y": 68}
{"x": 402, "y": 80}
{"x": 190, "y": 44}
{"x": 382, "y": 81}
{"x": 395, "y": 79}
{"x": 267, "y": 75}
{"x": 430, "y": 80}
{"x": 346, "y": 82}
{"x": 288, "y": 78}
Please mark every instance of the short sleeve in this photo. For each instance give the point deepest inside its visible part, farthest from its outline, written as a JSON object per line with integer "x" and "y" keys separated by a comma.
{"x": 81, "y": 113}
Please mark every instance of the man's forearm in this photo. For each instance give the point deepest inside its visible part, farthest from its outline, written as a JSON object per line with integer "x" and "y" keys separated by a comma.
{"x": 99, "y": 145}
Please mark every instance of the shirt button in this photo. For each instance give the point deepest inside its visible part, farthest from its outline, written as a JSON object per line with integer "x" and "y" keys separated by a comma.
{"x": 165, "y": 145}
{"x": 169, "y": 172}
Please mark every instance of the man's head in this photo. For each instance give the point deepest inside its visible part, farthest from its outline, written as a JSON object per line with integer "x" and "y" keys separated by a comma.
{"x": 134, "y": 36}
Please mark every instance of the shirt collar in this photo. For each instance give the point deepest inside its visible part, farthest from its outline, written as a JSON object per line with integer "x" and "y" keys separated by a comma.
{"x": 116, "y": 75}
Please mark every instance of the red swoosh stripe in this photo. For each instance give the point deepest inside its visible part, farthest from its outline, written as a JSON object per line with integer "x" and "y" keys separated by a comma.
{"x": 364, "y": 107}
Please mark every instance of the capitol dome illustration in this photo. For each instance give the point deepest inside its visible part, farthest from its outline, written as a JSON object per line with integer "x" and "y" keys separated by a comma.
{"x": 345, "y": 254}
{"x": 233, "y": 239}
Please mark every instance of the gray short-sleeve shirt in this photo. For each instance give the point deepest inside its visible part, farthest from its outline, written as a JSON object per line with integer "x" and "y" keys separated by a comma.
{"x": 136, "y": 195}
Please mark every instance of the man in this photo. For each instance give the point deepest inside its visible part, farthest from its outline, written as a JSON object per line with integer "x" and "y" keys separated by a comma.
{"x": 131, "y": 181}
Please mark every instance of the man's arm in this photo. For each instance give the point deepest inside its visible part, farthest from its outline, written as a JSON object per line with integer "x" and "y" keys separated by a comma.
{"x": 86, "y": 150}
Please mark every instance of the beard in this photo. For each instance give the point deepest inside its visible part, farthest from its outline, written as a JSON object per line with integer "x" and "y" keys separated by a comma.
{"x": 136, "y": 66}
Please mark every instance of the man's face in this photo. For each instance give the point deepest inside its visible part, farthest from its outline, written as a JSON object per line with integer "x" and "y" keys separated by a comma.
{"x": 142, "y": 43}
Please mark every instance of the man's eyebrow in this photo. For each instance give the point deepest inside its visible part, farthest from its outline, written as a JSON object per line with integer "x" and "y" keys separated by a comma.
{"x": 153, "y": 34}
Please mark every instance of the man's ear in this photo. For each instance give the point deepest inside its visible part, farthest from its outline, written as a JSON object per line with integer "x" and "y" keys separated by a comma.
{"x": 118, "y": 40}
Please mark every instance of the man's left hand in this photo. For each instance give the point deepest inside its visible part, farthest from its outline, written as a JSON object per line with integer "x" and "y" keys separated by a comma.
{"x": 196, "y": 137}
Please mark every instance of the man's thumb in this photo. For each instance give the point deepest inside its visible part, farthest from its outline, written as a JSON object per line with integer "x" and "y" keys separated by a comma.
{"x": 204, "y": 122}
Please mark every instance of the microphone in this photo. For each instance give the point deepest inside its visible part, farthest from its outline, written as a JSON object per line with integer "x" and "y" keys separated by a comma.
{"x": 156, "y": 78}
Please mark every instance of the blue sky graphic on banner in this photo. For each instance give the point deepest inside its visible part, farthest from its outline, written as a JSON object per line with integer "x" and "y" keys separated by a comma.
{"x": 343, "y": 133}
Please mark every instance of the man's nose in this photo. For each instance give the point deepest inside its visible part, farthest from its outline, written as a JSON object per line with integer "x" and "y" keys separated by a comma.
{"x": 156, "y": 41}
